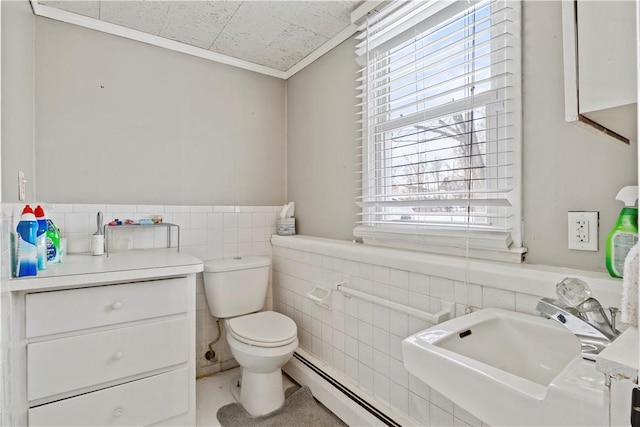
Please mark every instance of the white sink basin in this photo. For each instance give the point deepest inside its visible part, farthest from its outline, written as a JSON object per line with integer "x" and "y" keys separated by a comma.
{"x": 509, "y": 368}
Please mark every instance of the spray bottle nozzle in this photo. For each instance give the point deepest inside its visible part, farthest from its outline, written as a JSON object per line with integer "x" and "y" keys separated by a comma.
{"x": 628, "y": 195}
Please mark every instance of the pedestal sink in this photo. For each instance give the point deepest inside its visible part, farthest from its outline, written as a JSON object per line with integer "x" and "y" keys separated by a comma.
{"x": 509, "y": 369}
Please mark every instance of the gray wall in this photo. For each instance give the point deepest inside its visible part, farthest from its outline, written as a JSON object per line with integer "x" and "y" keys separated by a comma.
{"x": 168, "y": 128}
{"x": 18, "y": 24}
{"x": 119, "y": 121}
{"x": 565, "y": 167}
{"x": 321, "y": 148}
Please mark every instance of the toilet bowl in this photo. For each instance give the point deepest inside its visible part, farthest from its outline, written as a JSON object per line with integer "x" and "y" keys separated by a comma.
{"x": 261, "y": 341}
{"x": 262, "y": 389}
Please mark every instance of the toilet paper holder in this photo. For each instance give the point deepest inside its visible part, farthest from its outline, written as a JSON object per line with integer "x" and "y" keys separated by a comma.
{"x": 320, "y": 296}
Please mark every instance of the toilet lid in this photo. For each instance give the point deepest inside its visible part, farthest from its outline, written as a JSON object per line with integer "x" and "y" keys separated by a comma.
{"x": 265, "y": 329}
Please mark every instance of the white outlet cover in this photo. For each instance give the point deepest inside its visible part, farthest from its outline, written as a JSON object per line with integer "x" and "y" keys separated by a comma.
{"x": 590, "y": 223}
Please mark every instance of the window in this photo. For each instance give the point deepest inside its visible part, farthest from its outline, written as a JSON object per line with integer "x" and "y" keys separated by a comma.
{"x": 439, "y": 92}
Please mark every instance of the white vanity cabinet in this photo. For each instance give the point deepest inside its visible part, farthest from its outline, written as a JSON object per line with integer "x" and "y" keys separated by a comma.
{"x": 106, "y": 350}
{"x": 599, "y": 40}
{"x": 619, "y": 364}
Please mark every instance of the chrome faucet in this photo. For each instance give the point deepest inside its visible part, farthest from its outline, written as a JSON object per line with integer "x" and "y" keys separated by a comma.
{"x": 586, "y": 319}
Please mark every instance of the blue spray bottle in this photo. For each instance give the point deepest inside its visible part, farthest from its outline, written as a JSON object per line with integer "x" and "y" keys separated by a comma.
{"x": 26, "y": 250}
{"x": 41, "y": 237}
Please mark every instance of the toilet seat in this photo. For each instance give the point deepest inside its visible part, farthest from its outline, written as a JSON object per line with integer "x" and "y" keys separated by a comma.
{"x": 263, "y": 329}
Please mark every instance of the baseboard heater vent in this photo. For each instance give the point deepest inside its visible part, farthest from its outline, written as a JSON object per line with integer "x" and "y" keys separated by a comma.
{"x": 347, "y": 392}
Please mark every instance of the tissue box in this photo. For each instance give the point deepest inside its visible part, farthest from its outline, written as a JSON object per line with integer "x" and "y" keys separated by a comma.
{"x": 286, "y": 226}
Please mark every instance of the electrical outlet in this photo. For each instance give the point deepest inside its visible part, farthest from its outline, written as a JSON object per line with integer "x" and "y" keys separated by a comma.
{"x": 583, "y": 231}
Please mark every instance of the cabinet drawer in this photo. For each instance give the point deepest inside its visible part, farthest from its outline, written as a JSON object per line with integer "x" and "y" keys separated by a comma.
{"x": 67, "y": 364}
{"x": 138, "y": 403}
{"x": 76, "y": 309}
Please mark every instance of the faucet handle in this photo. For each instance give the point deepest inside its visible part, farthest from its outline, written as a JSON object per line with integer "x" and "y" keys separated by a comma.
{"x": 614, "y": 312}
{"x": 572, "y": 291}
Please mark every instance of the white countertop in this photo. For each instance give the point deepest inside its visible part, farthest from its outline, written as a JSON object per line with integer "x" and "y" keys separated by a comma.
{"x": 79, "y": 269}
{"x": 620, "y": 358}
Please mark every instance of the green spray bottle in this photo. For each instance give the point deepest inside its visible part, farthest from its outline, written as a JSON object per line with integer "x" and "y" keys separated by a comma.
{"x": 625, "y": 233}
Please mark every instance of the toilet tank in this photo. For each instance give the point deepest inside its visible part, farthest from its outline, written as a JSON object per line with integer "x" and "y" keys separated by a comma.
{"x": 236, "y": 286}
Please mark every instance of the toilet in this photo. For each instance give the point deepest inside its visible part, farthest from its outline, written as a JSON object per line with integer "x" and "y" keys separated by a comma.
{"x": 261, "y": 341}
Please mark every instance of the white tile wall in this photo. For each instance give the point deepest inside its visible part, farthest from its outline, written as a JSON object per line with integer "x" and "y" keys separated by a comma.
{"x": 207, "y": 232}
{"x": 363, "y": 340}
{"x": 360, "y": 339}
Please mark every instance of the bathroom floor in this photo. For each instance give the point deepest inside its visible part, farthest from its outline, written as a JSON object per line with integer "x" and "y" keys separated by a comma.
{"x": 216, "y": 391}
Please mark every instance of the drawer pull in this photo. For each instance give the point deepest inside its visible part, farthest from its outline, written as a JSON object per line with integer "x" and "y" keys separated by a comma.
{"x": 117, "y": 355}
{"x": 118, "y": 412}
{"x": 116, "y": 305}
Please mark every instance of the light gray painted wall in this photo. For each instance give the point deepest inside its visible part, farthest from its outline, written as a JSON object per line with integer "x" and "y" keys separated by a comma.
{"x": 119, "y": 121}
{"x": 565, "y": 167}
{"x": 17, "y": 27}
{"x": 321, "y": 148}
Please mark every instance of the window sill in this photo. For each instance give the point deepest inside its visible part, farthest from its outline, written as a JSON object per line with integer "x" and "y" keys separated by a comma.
{"x": 486, "y": 245}
{"x": 529, "y": 279}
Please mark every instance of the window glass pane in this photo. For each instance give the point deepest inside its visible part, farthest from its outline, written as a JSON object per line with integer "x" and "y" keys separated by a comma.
{"x": 438, "y": 124}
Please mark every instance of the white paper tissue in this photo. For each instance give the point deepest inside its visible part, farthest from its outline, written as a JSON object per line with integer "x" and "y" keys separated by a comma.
{"x": 286, "y": 223}
{"x": 288, "y": 211}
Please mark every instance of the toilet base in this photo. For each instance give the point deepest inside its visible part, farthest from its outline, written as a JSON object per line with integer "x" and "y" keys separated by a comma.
{"x": 261, "y": 393}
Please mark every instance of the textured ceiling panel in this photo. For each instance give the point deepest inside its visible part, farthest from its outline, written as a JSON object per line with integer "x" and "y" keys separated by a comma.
{"x": 86, "y": 8}
{"x": 326, "y": 18}
{"x": 249, "y": 32}
{"x": 289, "y": 48}
{"x": 275, "y": 34}
{"x": 198, "y": 23}
{"x": 146, "y": 16}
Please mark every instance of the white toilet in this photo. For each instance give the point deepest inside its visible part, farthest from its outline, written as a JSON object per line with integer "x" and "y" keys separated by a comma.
{"x": 261, "y": 341}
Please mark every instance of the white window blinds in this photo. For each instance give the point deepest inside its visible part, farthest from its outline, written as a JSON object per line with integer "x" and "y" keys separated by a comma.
{"x": 439, "y": 94}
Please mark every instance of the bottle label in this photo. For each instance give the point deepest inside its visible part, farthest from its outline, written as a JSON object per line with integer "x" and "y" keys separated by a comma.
{"x": 27, "y": 256}
{"x": 622, "y": 244}
{"x": 41, "y": 244}
{"x": 53, "y": 242}
{"x": 52, "y": 251}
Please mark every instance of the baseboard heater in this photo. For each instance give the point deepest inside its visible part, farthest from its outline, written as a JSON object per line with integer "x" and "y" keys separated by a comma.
{"x": 347, "y": 392}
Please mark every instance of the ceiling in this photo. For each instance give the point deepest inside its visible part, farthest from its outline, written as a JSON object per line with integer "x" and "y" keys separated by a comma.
{"x": 274, "y": 34}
